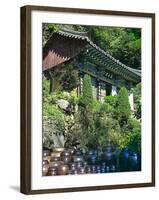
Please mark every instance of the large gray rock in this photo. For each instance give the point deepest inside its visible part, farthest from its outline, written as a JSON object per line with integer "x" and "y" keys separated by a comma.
{"x": 63, "y": 104}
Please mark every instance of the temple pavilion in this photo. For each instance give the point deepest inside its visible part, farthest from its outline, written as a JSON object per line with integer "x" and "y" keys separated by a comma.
{"x": 108, "y": 74}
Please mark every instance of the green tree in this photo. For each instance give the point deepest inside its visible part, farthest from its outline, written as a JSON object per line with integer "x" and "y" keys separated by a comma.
{"x": 63, "y": 78}
{"x": 87, "y": 97}
{"x": 69, "y": 79}
{"x": 111, "y": 102}
{"x": 94, "y": 123}
{"x": 135, "y": 135}
{"x": 122, "y": 43}
{"x": 123, "y": 107}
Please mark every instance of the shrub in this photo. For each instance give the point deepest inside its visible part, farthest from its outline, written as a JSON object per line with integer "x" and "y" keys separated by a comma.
{"x": 137, "y": 100}
{"x": 135, "y": 135}
{"x": 87, "y": 98}
{"x": 96, "y": 105}
{"x": 105, "y": 125}
{"x": 70, "y": 78}
{"x": 123, "y": 107}
{"x": 53, "y": 126}
{"x": 111, "y": 100}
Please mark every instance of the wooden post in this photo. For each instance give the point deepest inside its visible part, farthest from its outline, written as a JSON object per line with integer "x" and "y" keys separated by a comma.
{"x": 81, "y": 83}
{"x": 99, "y": 86}
{"x": 78, "y": 90}
{"x": 98, "y": 89}
{"x": 51, "y": 86}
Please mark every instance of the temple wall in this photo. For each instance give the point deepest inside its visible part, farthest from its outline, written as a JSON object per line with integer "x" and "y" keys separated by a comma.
{"x": 114, "y": 90}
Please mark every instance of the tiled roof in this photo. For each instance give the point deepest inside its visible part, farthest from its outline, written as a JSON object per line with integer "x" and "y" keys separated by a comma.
{"x": 98, "y": 55}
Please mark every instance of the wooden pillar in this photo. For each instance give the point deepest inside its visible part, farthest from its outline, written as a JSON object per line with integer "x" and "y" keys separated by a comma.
{"x": 81, "y": 83}
{"x": 97, "y": 89}
{"x": 78, "y": 90}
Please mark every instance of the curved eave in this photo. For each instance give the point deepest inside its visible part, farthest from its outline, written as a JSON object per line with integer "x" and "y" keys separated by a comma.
{"x": 100, "y": 56}
{"x": 112, "y": 65}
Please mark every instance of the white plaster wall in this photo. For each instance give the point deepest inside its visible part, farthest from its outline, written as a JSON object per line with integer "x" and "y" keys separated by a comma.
{"x": 114, "y": 90}
{"x": 131, "y": 101}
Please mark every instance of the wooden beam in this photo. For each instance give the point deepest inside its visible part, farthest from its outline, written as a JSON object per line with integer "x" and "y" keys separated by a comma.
{"x": 124, "y": 72}
{"x": 104, "y": 79}
{"x": 105, "y": 62}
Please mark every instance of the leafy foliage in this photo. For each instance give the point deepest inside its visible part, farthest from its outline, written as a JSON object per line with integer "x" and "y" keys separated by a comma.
{"x": 134, "y": 135}
{"x": 122, "y": 43}
{"x": 111, "y": 102}
{"x": 137, "y": 100}
{"x": 53, "y": 126}
{"x": 91, "y": 127}
{"x": 48, "y": 29}
{"x": 69, "y": 79}
{"x": 87, "y": 96}
{"x": 92, "y": 123}
{"x": 64, "y": 78}
{"x": 123, "y": 107}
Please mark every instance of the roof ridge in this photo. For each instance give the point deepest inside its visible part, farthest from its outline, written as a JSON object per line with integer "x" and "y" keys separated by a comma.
{"x": 63, "y": 29}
